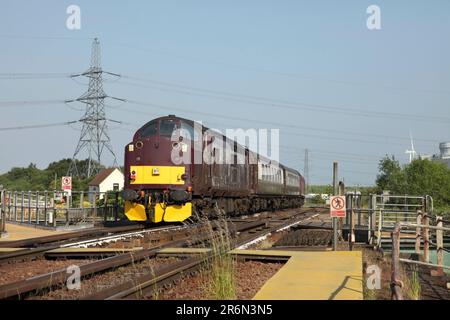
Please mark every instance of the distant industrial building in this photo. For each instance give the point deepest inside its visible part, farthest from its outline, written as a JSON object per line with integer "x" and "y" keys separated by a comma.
{"x": 443, "y": 156}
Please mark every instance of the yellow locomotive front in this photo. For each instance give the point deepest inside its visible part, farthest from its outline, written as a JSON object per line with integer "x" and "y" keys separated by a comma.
{"x": 158, "y": 188}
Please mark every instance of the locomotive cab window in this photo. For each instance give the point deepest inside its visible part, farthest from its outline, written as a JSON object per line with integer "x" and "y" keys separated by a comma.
{"x": 149, "y": 130}
{"x": 167, "y": 127}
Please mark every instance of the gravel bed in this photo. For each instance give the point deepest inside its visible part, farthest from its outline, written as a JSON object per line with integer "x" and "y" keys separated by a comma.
{"x": 99, "y": 282}
{"x": 22, "y": 270}
{"x": 250, "y": 277}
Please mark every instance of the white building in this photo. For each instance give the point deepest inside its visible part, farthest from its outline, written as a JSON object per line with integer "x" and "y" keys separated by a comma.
{"x": 111, "y": 179}
{"x": 443, "y": 157}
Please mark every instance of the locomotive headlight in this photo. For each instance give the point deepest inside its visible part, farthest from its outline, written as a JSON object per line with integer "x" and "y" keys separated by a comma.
{"x": 139, "y": 144}
{"x": 133, "y": 175}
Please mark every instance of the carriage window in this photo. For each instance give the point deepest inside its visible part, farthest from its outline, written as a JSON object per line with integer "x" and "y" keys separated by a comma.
{"x": 167, "y": 127}
{"x": 149, "y": 130}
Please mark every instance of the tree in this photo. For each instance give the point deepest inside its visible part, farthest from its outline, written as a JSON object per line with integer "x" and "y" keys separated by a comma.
{"x": 430, "y": 178}
{"x": 391, "y": 176}
{"x": 420, "y": 177}
{"x": 35, "y": 179}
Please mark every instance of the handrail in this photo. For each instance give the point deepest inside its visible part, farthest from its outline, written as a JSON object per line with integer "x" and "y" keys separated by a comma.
{"x": 423, "y": 228}
{"x": 415, "y": 225}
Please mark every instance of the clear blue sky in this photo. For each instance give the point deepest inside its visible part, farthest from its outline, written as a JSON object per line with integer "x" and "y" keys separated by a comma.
{"x": 313, "y": 54}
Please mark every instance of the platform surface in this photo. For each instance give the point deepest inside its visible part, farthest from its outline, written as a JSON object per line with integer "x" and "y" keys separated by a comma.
{"x": 328, "y": 275}
{"x": 20, "y": 232}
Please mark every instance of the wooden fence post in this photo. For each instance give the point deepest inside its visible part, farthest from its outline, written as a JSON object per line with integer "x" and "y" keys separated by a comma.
{"x": 439, "y": 243}
{"x": 380, "y": 222}
{"x": 396, "y": 283}
{"x": 418, "y": 231}
{"x": 426, "y": 237}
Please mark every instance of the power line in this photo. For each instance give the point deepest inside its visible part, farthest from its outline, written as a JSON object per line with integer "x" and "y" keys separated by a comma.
{"x": 292, "y": 150}
{"x": 235, "y": 66}
{"x": 38, "y": 126}
{"x": 281, "y": 73}
{"x": 19, "y": 76}
{"x": 6, "y": 104}
{"x": 41, "y": 37}
{"x": 255, "y": 100}
{"x": 280, "y": 125}
{"x": 365, "y": 158}
{"x": 220, "y": 92}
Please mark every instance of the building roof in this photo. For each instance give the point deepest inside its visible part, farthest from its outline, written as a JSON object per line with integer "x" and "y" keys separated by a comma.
{"x": 101, "y": 176}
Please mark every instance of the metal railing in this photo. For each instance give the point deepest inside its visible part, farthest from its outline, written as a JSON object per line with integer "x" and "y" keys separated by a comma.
{"x": 391, "y": 209}
{"x": 379, "y": 213}
{"x": 2, "y": 211}
{"x": 52, "y": 208}
{"x": 423, "y": 242}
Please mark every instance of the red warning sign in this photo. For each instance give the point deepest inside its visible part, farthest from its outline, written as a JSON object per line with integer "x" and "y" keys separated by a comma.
{"x": 66, "y": 183}
{"x": 337, "y": 207}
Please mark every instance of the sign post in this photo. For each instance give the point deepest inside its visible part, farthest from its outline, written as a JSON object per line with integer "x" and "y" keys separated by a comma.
{"x": 335, "y": 193}
{"x": 337, "y": 207}
{"x": 337, "y": 210}
{"x": 66, "y": 186}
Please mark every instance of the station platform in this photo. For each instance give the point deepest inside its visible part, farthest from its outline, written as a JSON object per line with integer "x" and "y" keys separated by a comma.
{"x": 21, "y": 232}
{"x": 328, "y": 275}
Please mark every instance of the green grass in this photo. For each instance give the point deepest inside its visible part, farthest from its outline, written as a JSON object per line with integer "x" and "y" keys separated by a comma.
{"x": 220, "y": 271}
{"x": 413, "y": 287}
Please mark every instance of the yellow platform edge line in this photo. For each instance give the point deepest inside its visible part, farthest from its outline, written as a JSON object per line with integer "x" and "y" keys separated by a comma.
{"x": 309, "y": 275}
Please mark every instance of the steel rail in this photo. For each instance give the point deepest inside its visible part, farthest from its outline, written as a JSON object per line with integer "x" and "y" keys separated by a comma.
{"x": 148, "y": 283}
{"x": 21, "y": 288}
{"x": 32, "y": 253}
{"x": 64, "y": 237}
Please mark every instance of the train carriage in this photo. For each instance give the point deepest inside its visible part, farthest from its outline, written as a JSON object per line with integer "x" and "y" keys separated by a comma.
{"x": 164, "y": 181}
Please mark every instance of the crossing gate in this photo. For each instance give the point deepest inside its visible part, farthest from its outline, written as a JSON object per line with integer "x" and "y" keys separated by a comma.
{"x": 374, "y": 216}
{"x": 391, "y": 209}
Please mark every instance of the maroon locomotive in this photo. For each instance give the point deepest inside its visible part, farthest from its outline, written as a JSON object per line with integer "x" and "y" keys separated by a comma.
{"x": 172, "y": 172}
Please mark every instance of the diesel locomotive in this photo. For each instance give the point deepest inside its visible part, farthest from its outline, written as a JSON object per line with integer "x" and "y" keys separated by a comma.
{"x": 172, "y": 174}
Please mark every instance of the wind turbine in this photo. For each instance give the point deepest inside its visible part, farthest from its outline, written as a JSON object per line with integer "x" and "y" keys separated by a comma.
{"x": 412, "y": 153}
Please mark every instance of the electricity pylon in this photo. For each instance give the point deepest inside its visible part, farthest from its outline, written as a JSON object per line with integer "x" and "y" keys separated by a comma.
{"x": 94, "y": 138}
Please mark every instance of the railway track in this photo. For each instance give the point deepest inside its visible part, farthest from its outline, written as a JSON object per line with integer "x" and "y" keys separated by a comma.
{"x": 45, "y": 244}
{"x": 68, "y": 237}
{"x": 247, "y": 233}
{"x": 243, "y": 232}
